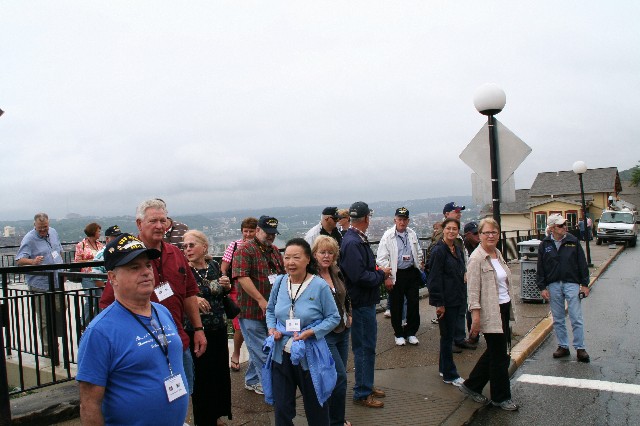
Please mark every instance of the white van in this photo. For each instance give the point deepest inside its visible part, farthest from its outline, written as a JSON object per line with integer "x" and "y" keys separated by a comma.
{"x": 617, "y": 225}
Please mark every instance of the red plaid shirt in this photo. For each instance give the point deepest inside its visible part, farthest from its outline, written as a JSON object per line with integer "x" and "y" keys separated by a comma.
{"x": 256, "y": 261}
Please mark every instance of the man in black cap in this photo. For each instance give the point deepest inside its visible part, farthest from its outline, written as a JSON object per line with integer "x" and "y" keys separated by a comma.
{"x": 363, "y": 285}
{"x": 131, "y": 353}
{"x": 328, "y": 226}
{"x": 255, "y": 266}
{"x": 399, "y": 249}
{"x": 471, "y": 238}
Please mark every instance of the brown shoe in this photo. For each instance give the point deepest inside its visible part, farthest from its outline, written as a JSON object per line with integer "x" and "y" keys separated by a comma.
{"x": 561, "y": 352}
{"x": 378, "y": 393}
{"x": 583, "y": 356}
{"x": 369, "y": 401}
{"x": 456, "y": 350}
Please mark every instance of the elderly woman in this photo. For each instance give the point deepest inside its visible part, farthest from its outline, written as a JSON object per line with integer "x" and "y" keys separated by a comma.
{"x": 300, "y": 313}
{"x": 212, "y": 382}
{"x": 490, "y": 304}
{"x": 325, "y": 251}
{"x": 447, "y": 292}
{"x": 86, "y": 251}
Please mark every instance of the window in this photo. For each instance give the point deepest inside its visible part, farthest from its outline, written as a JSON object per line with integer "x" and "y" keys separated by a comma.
{"x": 572, "y": 218}
{"x": 541, "y": 221}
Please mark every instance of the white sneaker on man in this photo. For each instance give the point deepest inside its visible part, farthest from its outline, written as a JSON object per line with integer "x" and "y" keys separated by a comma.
{"x": 387, "y": 313}
{"x": 400, "y": 341}
{"x": 413, "y": 340}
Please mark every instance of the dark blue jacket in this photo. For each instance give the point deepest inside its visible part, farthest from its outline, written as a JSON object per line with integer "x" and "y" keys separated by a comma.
{"x": 567, "y": 264}
{"x": 446, "y": 276}
{"x": 358, "y": 264}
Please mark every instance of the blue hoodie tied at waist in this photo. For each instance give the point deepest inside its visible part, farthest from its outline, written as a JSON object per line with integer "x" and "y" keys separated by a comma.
{"x": 322, "y": 367}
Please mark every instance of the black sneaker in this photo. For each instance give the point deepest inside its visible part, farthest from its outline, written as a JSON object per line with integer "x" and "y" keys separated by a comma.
{"x": 507, "y": 405}
{"x": 477, "y": 397}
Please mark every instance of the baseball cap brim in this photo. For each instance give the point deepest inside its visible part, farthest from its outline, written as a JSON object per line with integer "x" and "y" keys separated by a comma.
{"x": 151, "y": 254}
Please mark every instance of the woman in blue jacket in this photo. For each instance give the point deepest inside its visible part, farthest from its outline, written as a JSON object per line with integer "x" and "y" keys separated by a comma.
{"x": 447, "y": 293}
{"x": 300, "y": 312}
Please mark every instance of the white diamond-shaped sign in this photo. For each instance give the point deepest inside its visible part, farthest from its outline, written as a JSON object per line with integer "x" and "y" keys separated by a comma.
{"x": 511, "y": 153}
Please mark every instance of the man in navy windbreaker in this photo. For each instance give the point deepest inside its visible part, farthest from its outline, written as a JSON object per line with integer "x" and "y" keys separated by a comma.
{"x": 363, "y": 282}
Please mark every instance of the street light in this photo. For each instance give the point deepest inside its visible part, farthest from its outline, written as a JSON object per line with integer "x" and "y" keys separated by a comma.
{"x": 580, "y": 168}
{"x": 489, "y": 100}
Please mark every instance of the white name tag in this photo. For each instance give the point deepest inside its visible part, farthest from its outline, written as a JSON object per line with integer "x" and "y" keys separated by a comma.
{"x": 175, "y": 387}
{"x": 272, "y": 278}
{"x": 163, "y": 291}
{"x": 406, "y": 257}
{"x": 293, "y": 324}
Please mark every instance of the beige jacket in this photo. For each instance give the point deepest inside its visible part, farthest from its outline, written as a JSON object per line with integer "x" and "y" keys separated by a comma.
{"x": 482, "y": 289}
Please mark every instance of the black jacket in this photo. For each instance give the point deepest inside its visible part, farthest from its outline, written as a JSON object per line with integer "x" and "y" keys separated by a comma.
{"x": 446, "y": 276}
{"x": 567, "y": 264}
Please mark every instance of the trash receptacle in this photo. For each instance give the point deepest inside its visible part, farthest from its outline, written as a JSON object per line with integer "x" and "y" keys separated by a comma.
{"x": 529, "y": 291}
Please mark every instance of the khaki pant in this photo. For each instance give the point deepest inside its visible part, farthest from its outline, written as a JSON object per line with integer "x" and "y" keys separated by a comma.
{"x": 40, "y": 300}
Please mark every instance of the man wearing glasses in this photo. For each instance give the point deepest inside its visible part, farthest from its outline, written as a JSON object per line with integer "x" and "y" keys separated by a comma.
{"x": 563, "y": 274}
{"x": 130, "y": 368}
{"x": 328, "y": 226}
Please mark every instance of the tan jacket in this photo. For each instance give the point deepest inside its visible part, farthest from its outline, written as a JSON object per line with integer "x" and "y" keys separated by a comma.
{"x": 482, "y": 289}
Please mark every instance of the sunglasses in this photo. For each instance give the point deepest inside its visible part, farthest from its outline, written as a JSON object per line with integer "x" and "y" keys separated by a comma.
{"x": 561, "y": 225}
{"x": 188, "y": 245}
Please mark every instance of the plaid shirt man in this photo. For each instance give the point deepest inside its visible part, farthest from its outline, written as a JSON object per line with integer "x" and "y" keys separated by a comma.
{"x": 256, "y": 261}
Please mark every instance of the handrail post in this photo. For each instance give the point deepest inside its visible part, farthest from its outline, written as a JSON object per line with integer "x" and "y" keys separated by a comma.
{"x": 5, "y": 406}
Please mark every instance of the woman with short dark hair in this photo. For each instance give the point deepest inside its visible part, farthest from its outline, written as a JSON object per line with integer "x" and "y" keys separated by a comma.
{"x": 447, "y": 292}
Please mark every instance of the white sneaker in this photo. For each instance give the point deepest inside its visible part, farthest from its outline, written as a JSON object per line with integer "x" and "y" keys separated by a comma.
{"x": 387, "y": 313}
{"x": 400, "y": 341}
{"x": 457, "y": 382}
{"x": 256, "y": 387}
{"x": 413, "y": 340}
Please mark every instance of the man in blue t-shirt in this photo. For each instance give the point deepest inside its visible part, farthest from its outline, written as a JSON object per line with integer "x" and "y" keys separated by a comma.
{"x": 130, "y": 367}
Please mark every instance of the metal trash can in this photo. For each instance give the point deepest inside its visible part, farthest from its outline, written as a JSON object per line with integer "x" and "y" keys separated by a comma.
{"x": 529, "y": 291}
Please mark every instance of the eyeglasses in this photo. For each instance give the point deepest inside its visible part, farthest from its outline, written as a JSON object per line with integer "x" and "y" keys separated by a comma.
{"x": 326, "y": 253}
{"x": 159, "y": 332}
{"x": 561, "y": 225}
{"x": 490, "y": 233}
{"x": 188, "y": 245}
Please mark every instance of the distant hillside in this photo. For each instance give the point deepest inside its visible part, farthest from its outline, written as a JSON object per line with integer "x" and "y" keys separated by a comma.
{"x": 626, "y": 174}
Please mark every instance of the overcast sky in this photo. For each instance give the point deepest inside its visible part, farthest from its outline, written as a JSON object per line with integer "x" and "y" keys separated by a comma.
{"x": 214, "y": 105}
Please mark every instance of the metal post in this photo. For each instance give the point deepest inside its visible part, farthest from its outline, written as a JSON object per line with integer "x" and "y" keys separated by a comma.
{"x": 584, "y": 220}
{"x": 495, "y": 181}
{"x": 5, "y": 406}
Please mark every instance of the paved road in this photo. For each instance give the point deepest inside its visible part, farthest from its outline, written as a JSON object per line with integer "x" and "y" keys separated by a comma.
{"x": 612, "y": 319}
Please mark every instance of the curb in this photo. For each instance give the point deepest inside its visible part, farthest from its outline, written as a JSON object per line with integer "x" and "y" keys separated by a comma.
{"x": 537, "y": 335}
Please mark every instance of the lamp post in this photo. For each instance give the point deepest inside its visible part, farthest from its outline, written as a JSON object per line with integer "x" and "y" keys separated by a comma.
{"x": 489, "y": 100}
{"x": 579, "y": 168}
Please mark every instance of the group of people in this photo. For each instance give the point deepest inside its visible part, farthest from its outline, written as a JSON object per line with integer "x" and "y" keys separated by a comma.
{"x": 161, "y": 334}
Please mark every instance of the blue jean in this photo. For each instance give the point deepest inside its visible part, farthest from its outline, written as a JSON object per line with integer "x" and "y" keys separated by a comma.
{"x": 364, "y": 334}
{"x": 404, "y": 307}
{"x": 90, "y": 305}
{"x": 254, "y": 332}
{"x": 339, "y": 346}
{"x": 558, "y": 292}
{"x": 447, "y": 325}
{"x": 460, "y": 334}
{"x": 187, "y": 361}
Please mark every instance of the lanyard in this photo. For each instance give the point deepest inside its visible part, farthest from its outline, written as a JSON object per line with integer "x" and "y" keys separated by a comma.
{"x": 294, "y": 298}
{"x": 404, "y": 240}
{"x": 161, "y": 339}
{"x": 273, "y": 266}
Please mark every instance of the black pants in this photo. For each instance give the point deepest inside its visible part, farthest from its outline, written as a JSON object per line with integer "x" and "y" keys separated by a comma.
{"x": 493, "y": 365}
{"x": 407, "y": 285}
{"x": 286, "y": 377}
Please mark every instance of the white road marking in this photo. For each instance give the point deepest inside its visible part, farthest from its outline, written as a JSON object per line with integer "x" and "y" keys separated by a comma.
{"x": 580, "y": 383}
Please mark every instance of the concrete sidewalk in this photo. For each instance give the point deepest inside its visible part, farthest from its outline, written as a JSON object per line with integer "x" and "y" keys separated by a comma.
{"x": 409, "y": 374}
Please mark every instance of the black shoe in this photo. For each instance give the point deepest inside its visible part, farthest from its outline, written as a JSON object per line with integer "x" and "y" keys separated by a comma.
{"x": 456, "y": 350}
{"x": 465, "y": 345}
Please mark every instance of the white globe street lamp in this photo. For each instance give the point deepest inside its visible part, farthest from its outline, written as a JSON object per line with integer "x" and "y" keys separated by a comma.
{"x": 580, "y": 168}
{"x": 489, "y": 100}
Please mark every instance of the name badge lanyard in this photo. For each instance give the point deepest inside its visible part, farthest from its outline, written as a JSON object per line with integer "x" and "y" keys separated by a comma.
{"x": 404, "y": 241}
{"x": 294, "y": 298}
{"x": 161, "y": 339}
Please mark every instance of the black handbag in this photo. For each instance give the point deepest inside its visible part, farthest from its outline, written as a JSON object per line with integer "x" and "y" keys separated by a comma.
{"x": 231, "y": 310}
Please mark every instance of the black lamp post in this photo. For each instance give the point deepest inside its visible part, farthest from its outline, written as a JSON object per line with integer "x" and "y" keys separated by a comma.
{"x": 489, "y": 100}
{"x": 580, "y": 168}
